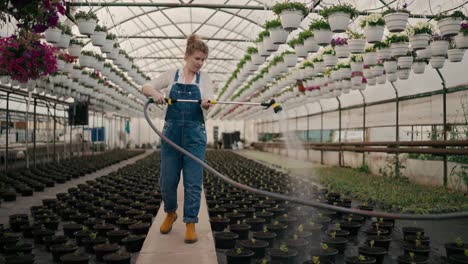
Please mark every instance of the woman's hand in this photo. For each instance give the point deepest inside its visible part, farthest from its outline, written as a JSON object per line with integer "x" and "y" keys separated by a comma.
{"x": 205, "y": 104}
{"x": 158, "y": 97}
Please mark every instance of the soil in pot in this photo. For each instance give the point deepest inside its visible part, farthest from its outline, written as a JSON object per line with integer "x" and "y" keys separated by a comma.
{"x": 241, "y": 229}
{"x": 324, "y": 253}
{"x": 375, "y": 252}
{"x": 278, "y": 228}
{"x": 118, "y": 258}
{"x": 219, "y": 223}
{"x": 133, "y": 243}
{"x": 257, "y": 246}
{"x": 336, "y": 242}
{"x": 411, "y": 230}
{"x": 406, "y": 259}
{"x": 266, "y": 236}
{"x": 283, "y": 255}
{"x": 380, "y": 241}
{"x": 458, "y": 259}
{"x": 298, "y": 244}
{"x": 234, "y": 216}
{"x": 74, "y": 258}
{"x": 225, "y": 240}
{"x": 457, "y": 248}
{"x": 91, "y": 241}
{"x": 62, "y": 249}
{"x": 116, "y": 236}
{"x": 70, "y": 229}
{"x": 139, "y": 228}
{"x": 103, "y": 249}
{"x": 418, "y": 250}
{"x": 360, "y": 260}
{"x": 268, "y": 216}
{"x": 412, "y": 240}
{"x": 239, "y": 256}
{"x": 256, "y": 223}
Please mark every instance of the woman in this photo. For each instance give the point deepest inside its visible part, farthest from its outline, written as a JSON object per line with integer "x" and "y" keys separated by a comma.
{"x": 185, "y": 126}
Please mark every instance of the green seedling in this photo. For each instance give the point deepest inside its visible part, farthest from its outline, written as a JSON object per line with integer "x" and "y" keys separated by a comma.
{"x": 324, "y": 246}
{"x": 300, "y": 228}
{"x": 371, "y": 243}
{"x": 284, "y": 248}
{"x": 315, "y": 259}
{"x": 238, "y": 251}
{"x": 459, "y": 242}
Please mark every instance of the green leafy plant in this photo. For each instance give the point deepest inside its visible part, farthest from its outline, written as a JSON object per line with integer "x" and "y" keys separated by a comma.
{"x": 344, "y": 8}
{"x": 252, "y": 50}
{"x": 395, "y": 10}
{"x": 283, "y": 248}
{"x": 356, "y": 58}
{"x": 238, "y": 251}
{"x": 276, "y": 23}
{"x": 319, "y": 24}
{"x": 262, "y": 35}
{"x": 361, "y": 258}
{"x": 328, "y": 51}
{"x": 85, "y": 15}
{"x": 76, "y": 42}
{"x": 420, "y": 28}
{"x": 381, "y": 45}
{"x": 111, "y": 36}
{"x": 305, "y": 35}
{"x": 324, "y": 246}
{"x": 354, "y": 35}
{"x": 397, "y": 38}
{"x": 280, "y": 7}
{"x": 459, "y": 242}
{"x": 295, "y": 41}
{"x": 456, "y": 14}
{"x": 100, "y": 28}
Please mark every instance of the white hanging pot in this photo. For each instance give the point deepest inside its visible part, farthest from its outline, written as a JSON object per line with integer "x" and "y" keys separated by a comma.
{"x": 390, "y": 66}
{"x": 257, "y": 59}
{"x": 98, "y": 38}
{"x": 60, "y": 65}
{"x": 439, "y": 48}
{"x": 384, "y": 54}
{"x": 108, "y": 45}
{"x": 5, "y": 79}
{"x": 278, "y": 35}
{"x": 461, "y": 41}
{"x": 345, "y": 73}
{"x": 320, "y": 67}
{"x": 323, "y": 37}
{"x": 269, "y": 45}
{"x": 419, "y": 41}
{"x": 311, "y": 45}
{"x": 342, "y": 51}
{"x": 74, "y": 50}
{"x": 86, "y": 27}
{"x": 301, "y": 50}
{"x": 356, "y": 80}
{"x": 424, "y": 53}
{"x": 357, "y": 66}
{"x": 330, "y": 60}
{"x": 291, "y": 19}
{"x": 335, "y": 75}
{"x": 382, "y": 79}
{"x": 64, "y": 41}
{"x": 339, "y": 21}
{"x": 419, "y": 67}
{"x": 403, "y": 74}
{"x": 396, "y": 22}
{"x": 392, "y": 77}
{"x": 371, "y": 81}
{"x": 86, "y": 61}
{"x": 68, "y": 67}
{"x": 370, "y": 58}
{"x": 368, "y": 73}
{"x": 356, "y": 45}
{"x": 75, "y": 74}
{"x": 114, "y": 54}
{"x": 290, "y": 60}
{"x": 374, "y": 33}
{"x": 53, "y": 35}
{"x": 449, "y": 26}
{"x": 455, "y": 55}
{"x": 405, "y": 62}
{"x": 377, "y": 70}
{"x": 437, "y": 62}
{"x": 399, "y": 49}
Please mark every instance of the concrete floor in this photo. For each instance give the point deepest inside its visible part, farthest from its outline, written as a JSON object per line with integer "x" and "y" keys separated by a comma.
{"x": 171, "y": 248}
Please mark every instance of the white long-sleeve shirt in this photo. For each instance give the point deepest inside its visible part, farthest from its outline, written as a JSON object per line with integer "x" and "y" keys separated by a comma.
{"x": 163, "y": 84}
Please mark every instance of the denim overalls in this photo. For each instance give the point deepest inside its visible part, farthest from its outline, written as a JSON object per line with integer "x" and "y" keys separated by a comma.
{"x": 185, "y": 126}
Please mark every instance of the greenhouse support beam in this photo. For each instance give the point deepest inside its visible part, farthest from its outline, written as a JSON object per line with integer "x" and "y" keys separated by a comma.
{"x": 321, "y": 130}
{"x": 176, "y": 37}
{"x": 340, "y": 154}
{"x": 363, "y": 126}
{"x": 397, "y": 129}
{"x": 209, "y": 6}
{"x": 179, "y": 58}
{"x": 55, "y": 128}
{"x": 7, "y": 129}
{"x": 444, "y": 116}
{"x": 34, "y": 131}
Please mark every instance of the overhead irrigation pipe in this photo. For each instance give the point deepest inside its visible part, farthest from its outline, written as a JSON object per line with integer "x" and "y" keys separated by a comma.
{"x": 295, "y": 199}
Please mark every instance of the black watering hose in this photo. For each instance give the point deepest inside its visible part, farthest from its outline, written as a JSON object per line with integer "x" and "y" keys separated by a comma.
{"x": 299, "y": 200}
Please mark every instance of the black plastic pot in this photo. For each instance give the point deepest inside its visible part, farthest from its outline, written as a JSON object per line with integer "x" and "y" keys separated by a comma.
{"x": 290, "y": 221}
{"x": 54, "y": 240}
{"x": 266, "y": 236}
{"x": 458, "y": 259}
{"x": 375, "y": 232}
{"x": 241, "y": 229}
{"x": 219, "y": 223}
{"x": 255, "y": 223}
{"x": 337, "y": 242}
{"x": 39, "y": 235}
{"x": 380, "y": 241}
{"x": 375, "y": 252}
{"x": 139, "y": 228}
{"x": 102, "y": 229}
{"x": 411, "y": 239}
{"x": 116, "y": 236}
{"x": 62, "y": 249}
{"x": 268, "y": 216}
{"x": 90, "y": 242}
{"x": 124, "y": 223}
{"x": 339, "y": 233}
{"x": 25, "y": 259}
{"x": 70, "y": 229}
{"x": 225, "y": 240}
{"x": 422, "y": 251}
{"x": 133, "y": 243}
{"x": 80, "y": 235}
{"x": 103, "y": 249}
{"x": 454, "y": 249}
{"x": 278, "y": 256}
{"x": 278, "y": 228}
{"x": 352, "y": 227}
{"x": 22, "y": 248}
{"x": 118, "y": 258}
{"x": 384, "y": 225}
{"x": 358, "y": 260}
{"x": 243, "y": 256}
{"x": 234, "y": 217}
{"x": 411, "y": 230}
{"x": 324, "y": 255}
{"x": 298, "y": 244}
{"x": 405, "y": 259}
{"x": 257, "y": 246}
{"x": 74, "y": 258}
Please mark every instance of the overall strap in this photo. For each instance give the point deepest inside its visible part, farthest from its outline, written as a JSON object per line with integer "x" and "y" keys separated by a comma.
{"x": 176, "y": 78}
{"x": 197, "y": 81}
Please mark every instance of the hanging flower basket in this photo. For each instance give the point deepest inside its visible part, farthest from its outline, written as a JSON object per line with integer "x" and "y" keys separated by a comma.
{"x": 291, "y": 14}
{"x": 345, "y": 73}
{"x": 108, "y": 43}
{"x": 390, "y": 66}
{"x": 374, "y": 33}
{"x": 368, "y": 73}
{"x": 339, "y": 16}
{"x": 419, "y": 41}
{"x": 330, "y": 60}
{"x": 98, "y": 38}
{"x": 4, "y": 79}
{"x": 449, "y": 25}
{"x": 257, "y": 59}
{"x": 357, "y": 66}
{"x": 371, "y": 81}
{"x": 437, "y": 62}
{"x": 64, "y": 41}
{"x": 341, "y": 47}
{"x": 405, "y": 62}
{"x": 268, "y": 44}
{"x": 322, "y": 32}
{"x": 384, "y": 54}
{"x": 86, "y": 22}
{"x": 455, "y": 55}
{"x": 419, "y": 67}
{"x": 356, "y": 45}
{"x": 439, "y": 46}
{"x": 399, "y": 49}
{"x": 311, "y": 45}
{"x": 24, "y": 57}
{"x": 75, "y": 47}
{"x": 290, "y": 59}
{"x": 377, "y": 70}
{"x": 381, "y": 79}
{"x": 278, "y": 35}
{"x": 403, "y": 74}
{"x": 320, "y": 67}
{"x": 370, "y": 58}
{"x": 461, "y": 41}
{"x": 396, "y": 20}
{"x": 424, "y": 53}
{"x": 53, "y": 35}
{"x": 356, "y": 78}
{"x": 301, "y": 50}
{"x": 392, "y": 77}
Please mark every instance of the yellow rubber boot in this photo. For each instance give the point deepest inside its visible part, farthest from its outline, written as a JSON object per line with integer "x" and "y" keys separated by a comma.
{"x": 190, "y": 234}
{"x": 166, "y": 226}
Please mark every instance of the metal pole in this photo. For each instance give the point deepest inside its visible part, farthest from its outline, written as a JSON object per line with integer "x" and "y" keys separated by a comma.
{"x": 34, "y": 132}
{"x": 28, "y": 102}
{"x": 7, "y": 130}
{"x": 397, "y": 130}
{"x": 364, "y": 134}
{"x": 55, "y": 128}
{"x": 340, "y": 153}
{"x": 65, "y": 122}
{"x": 444, "y": 128}
{"x": 321, "y": 131}
{"x": 102, "y": 125}
{"x": 307, "y": 133}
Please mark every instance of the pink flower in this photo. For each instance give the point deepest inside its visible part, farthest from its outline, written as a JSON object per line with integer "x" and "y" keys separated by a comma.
{"x": 339, "y": 42}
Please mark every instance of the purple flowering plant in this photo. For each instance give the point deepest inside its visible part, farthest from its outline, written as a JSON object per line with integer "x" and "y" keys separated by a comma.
{"x": 25, "y": 57}
{"x": 464, "y": 28}
{"x": 339, "y": 41}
